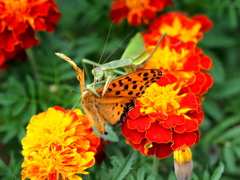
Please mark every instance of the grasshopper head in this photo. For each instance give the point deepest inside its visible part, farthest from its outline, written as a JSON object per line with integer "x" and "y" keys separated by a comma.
{"x": 98, "y": 73}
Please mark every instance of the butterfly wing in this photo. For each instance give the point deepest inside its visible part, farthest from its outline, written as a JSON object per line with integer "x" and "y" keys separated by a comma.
{"x": 121, "y": 92}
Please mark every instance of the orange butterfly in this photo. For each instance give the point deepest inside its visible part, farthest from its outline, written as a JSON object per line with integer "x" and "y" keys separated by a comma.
{"x": 117, "y": 100}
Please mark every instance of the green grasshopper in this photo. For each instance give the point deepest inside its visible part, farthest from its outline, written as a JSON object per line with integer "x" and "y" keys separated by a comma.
{"x": 135, "y": 56}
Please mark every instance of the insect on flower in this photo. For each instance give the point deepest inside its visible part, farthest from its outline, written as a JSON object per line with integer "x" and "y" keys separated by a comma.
{"x": 118, "y": 98}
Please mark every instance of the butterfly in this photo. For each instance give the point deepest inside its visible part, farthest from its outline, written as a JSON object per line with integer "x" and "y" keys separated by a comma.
{"x": 118, "y": 98}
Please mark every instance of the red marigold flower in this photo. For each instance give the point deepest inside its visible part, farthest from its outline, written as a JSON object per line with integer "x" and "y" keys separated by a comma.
{"x": 19, "y": 19}
{"x": 165, "y": 118}
{"x": 58, "y": 143}
{"x": 137, "y": 11}
{"x": 178, "y": 26}
{"x": 186, "y": 62}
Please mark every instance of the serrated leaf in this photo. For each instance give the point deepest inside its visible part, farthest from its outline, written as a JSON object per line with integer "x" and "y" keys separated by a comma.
{"x": 18, "y": 108}
{"x": 141, "y": 173}
{"x": 231, "y": 133}
{"x": 218, "y": 172}
{"x": 231, "y": 88}
{"x": 206, "y": 174}
{"x": 229, "y": 157}
{"x": 8, "y": 100}
{"x": 152, "y": 176}
{"x": 116, "y": 162}
{"x": 125, "y": 167}
{"x": 221, "y": 127}
{"x": 31, "y": 86}
{"x": 104, "y": 171}
{"x": 212, "y": 108}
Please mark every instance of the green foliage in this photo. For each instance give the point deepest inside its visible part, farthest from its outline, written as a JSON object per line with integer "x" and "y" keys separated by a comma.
{"x": 45, "y": 80}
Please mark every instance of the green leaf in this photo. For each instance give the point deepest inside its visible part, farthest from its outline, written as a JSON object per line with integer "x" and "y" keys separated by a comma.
{"x": 104, "y": 172}
{"x": 140, "y": 174}
{"x": 194, "y": 177}
{"x": 212, "y": 108}
{"x": 125, "y": 167}
{"x": 230, "y": 133}
{"x": 18, "y": 108}
{"x": 218, "y": 172}
{"x": 152, "y": 176}
{"x": 31, "y": 86}
{"x": 229, "y": 157}
{"x": 206, "y": 174}
{"x": 218, "y": 130}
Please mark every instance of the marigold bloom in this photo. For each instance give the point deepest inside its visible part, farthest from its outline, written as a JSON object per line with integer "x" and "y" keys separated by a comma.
{"x": 58, "y": 143}
{"x": 179, "y": 27}
{"x": 137, "y": 11}
{"x": 186, "y": 62}
{"x": 19, "y": 19}
{"x": 165, "y": 118}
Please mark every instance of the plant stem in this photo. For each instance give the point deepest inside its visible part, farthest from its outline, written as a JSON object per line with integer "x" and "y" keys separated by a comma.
{"x": 155, "y": 164}
{"x": 32, "y": 61}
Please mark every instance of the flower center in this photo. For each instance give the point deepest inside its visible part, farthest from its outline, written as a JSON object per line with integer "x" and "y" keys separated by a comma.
{"x": 135, "y": 4}
{"x": 159, "y": 99}
{"x": 168, "y": 59}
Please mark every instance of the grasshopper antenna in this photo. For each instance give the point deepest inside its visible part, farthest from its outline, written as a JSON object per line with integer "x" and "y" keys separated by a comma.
{"x": 105, "y": 43}
{"x": 118, "y": 46}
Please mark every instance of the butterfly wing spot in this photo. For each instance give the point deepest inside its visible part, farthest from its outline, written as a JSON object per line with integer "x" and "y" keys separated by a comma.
{"x": 130, "y": 92}
{"x": 134, "y": 82}
{"x": 114, "y": 85}
{"x": 120, "y": 83}
{"x": 126, "y": 87}
{"x": 145, "y": 79}
{"x": 137, "y": 94}
{"x": 118, "y": 113}
{"x": 118, "y": 92}
{"x": 134, "y": 86}
{"x": 116, "y": 104}
{"x": 141, "y": 88}
{"x": 145, "y": 74}
{"x": 139, "y": 74}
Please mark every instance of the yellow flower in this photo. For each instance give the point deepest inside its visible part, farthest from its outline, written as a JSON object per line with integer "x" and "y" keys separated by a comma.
{"x": 59, "y": 143}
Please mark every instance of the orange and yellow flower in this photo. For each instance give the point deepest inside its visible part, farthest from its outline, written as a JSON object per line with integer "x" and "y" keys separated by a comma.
{"x": 59, "y": 143}
{"x": 178, "y": 54}
{"x": 164, "y": 119}
{"x": 137, "y": 11}
{"x": 19, "y": 19}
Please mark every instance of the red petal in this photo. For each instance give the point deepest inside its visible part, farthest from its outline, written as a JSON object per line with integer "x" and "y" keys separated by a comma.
{"x": 141, "y": 123}
{"x": 28, "y": 38}
{"x": 192, "y": 63}
{"x": 39, "y": 24}
{"x": 133, "y": 135}
{"x": 159, "y": 134}
{"x": 208, "y": 84}
{"x": 188, "y": 126}
{"x": 207, "y": 24}
{"x": 149, "y": 13}
{"x": 161, "y": 150}
{"x": 134, "y": 113}
{"x": 158, "y": 115}
{"x": 8, "y": 40}
{"x": 187, "y": 138}
{"x": 206, "y": 62}
{"x": 167, "y": 79}
{"x": 134, "y": 19}
{"x": 173, "y": 121}
{"x": 189, "y": 102}
{"x": 118, "y": 12}
{"x": 200, "y": 81}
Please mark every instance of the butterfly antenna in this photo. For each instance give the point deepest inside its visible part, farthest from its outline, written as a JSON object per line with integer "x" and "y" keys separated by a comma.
{"x": 105, "y": 42}
{"x": 118, "y": 47}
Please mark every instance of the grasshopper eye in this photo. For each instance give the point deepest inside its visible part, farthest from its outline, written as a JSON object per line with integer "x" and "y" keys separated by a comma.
{"x": 98, "y": 73}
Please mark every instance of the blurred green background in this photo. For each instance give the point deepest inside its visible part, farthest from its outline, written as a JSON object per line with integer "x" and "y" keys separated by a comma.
{"x": 81, "y": 33}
